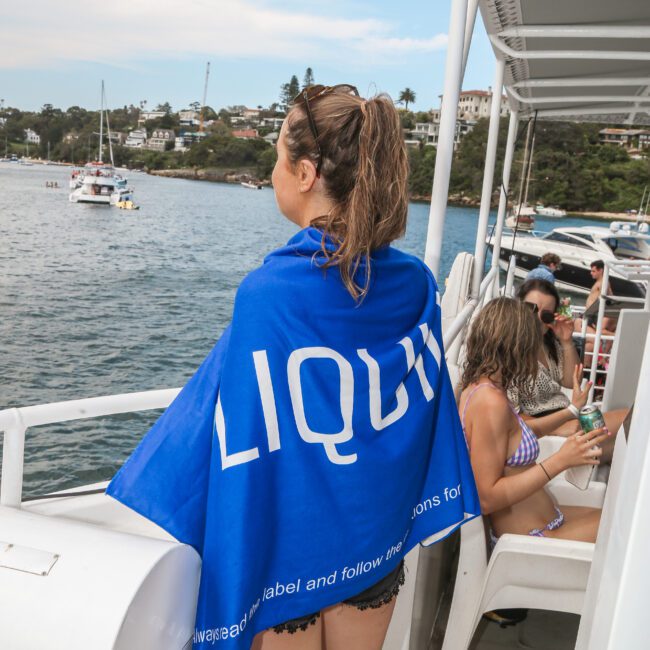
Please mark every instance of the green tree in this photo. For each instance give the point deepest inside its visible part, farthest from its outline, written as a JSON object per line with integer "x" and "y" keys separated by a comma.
{"x": 308, "y": 79}
{"x": 406, "y": 96}
{"x": 288, "y": 92}
{"x": 165, "y": 107}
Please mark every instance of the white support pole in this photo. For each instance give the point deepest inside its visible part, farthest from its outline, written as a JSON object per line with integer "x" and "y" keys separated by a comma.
{"x": 503, "y": 196}
{"x": 510, "y": 277}
{"x": 470, "y": 20}
{"x": 13, "y": 454}
{"x": 488, "y": 178}
{"x": 447, "y": 134}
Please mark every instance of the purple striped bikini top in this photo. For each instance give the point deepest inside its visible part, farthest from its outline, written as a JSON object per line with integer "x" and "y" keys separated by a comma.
{"x": 528, "y": 449}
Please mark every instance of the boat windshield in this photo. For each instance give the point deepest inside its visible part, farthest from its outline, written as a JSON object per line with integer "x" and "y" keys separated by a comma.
{"x": 629, "y": 247}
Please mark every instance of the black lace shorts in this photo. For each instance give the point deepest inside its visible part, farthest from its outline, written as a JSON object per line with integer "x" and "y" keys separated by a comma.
{"x": 379, "y": 594}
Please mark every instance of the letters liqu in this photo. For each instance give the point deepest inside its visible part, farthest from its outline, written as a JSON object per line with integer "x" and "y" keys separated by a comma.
{"x": 328, "y": 440}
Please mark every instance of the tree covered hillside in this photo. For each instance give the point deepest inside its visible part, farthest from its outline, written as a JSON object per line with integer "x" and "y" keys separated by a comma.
{"x": 570, "y": 168}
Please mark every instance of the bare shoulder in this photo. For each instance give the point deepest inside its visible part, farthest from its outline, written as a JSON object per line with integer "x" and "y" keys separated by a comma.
{"x": 487, "y": 408}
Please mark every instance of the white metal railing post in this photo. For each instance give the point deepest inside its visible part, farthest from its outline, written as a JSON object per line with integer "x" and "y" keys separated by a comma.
{"x": 447, "y": 134}
{"x": 602, "y": 300}
{"x": 488, "y": 178}
{"x": 13, "y": 453}
{"x": 503, "y": 195}
{"x": 510, "y": 276}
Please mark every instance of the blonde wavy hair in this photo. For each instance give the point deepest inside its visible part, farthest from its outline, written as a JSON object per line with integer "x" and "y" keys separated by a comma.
{"x": 365, "y": 173}
{"x": 504, "y": 338}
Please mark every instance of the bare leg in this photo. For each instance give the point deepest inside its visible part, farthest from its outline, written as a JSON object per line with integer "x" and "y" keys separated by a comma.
{"x": 309, "y": 639}
{"x": 580, "y": 524}
{"x": 347, "y": 628}
{"x": 613, "y": 421}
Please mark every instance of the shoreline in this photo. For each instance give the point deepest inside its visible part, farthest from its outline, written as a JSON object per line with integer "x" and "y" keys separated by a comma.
{"x": 244, "y": 174}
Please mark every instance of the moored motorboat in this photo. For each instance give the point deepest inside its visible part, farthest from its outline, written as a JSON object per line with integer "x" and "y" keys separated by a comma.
{"x": 250, "y": 185}
{"x": 546, "y": 211}
{"x": 578, "y": 247}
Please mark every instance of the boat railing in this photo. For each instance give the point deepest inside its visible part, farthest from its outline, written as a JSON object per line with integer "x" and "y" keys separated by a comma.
{"x": 14, "y": 423}
{"x": 634, "y": 271}
{"x": 466, "y": 313}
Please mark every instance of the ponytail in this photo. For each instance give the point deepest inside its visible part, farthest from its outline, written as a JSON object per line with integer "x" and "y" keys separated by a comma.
{"x": 365, "y": 173}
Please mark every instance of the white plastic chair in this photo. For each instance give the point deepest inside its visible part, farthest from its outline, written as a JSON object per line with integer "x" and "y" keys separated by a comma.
{"x": 522, "y": 572}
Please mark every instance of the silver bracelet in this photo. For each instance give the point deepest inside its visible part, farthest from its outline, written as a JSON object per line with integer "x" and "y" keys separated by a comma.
{"x": 573, "y": 409}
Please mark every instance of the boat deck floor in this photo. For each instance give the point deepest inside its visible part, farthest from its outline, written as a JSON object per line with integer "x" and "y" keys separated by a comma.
{"x": 542, "y": 630}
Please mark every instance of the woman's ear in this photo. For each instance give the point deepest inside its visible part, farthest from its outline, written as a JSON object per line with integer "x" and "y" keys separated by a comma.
{"x": 305, "y": 174}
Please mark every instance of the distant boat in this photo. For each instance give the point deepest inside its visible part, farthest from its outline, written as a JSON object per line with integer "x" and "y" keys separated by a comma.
{"x": 98, "y": 182}
{"x": 251, "y": 186}
{"x": 522, "y": 217}
{"x": 554, "y": 213}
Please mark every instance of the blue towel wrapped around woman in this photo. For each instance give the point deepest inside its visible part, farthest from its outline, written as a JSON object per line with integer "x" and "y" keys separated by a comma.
{"x": 314, "y": 447}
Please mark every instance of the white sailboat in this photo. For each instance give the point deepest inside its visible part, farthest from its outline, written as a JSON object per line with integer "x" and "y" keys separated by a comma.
{"x": 97, "y": 182}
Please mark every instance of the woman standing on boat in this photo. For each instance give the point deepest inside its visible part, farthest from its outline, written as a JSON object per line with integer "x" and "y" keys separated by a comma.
{"x": 502, "y": 352}
{"x": 320, "y": 441}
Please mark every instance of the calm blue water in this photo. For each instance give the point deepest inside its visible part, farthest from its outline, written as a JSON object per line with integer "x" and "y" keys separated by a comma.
{"x": 96, "y": 301}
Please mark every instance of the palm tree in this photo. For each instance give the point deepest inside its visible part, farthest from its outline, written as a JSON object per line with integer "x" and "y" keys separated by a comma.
{"x": 407, "y": 95}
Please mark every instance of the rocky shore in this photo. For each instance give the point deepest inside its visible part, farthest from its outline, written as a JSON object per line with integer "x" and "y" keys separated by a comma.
{"x": 248, "y": 175}
{"x": 213, "y": 175}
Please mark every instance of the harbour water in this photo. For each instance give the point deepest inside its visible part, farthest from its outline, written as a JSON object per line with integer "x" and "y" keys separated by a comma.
{"x": 96, "y": 301}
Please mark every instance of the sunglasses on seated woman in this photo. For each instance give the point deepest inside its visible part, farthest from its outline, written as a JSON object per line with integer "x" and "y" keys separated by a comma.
{"x": 546, "y": 315}
{"x": 309, "y": 94}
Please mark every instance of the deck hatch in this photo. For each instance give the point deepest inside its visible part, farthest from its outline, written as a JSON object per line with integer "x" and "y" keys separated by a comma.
{"x": 26, "y": 559}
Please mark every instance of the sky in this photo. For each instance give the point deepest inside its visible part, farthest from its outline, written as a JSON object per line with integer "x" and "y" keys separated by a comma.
{"x": 156, "y": 50}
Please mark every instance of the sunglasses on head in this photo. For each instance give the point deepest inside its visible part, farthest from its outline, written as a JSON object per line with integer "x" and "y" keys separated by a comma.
{"x": 311, "y": 93}
{"x": 546, "y": 315}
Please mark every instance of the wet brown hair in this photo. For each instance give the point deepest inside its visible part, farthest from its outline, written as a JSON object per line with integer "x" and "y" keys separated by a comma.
{"x": 548, "y": 289}
{"x": 364, "y": 171}
{"x": 505, "y": 337}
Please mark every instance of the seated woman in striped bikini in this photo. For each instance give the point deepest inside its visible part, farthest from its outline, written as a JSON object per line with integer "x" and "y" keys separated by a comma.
{"x": 502, "y": 349}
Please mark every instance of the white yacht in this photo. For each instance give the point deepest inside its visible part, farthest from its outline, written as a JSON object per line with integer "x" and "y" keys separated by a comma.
{"x": 546, "y": 211}
{"x": 578, "y": 247}
{"x": 97, "y": 182}
{"x": 80, "y": 571}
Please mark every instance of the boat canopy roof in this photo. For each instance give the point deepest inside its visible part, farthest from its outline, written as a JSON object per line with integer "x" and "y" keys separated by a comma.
{"x": 578, "y": 60}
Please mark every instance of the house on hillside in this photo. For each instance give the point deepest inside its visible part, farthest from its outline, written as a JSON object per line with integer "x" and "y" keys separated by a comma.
{"x": 474, "y": 104}
{"x": 145, "y": 116}
{"x": 628, "y": 138}
{"x": 185, "y": 139}
{"x": 272, "y": 138}
{"x": 160, "y": 139}
{"x": 274, "y": 122}
{"x": 427, "y": 133}
{"x": 136, "y": 139}
{"x": 189, "y": 117}
{"x": 32, "y": 137}
{"x": 246, "y": 134}
{"x": 251, "y": 114}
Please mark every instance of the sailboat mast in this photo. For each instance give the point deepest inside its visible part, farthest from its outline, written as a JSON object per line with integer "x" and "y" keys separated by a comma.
{"x": 101, "y": 125}
{"x": 110, "y": 142}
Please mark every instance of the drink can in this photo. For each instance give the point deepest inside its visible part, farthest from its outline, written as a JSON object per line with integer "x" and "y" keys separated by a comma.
{"x": 591, "y": 418}
{"x": 564, "y": 308}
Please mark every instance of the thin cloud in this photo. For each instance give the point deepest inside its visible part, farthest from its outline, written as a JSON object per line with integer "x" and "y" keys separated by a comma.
{"x": 132, "y": 31}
